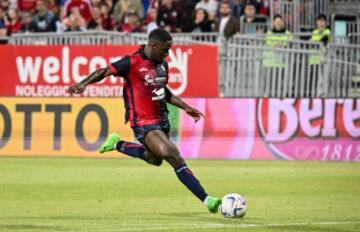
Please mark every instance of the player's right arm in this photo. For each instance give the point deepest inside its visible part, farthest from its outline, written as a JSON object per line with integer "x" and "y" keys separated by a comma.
{"x": 94, "y": 77}
{"x": 118, "y": 68}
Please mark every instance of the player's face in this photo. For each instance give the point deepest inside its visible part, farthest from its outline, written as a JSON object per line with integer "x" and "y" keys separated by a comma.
{"x": 161, "y": 50}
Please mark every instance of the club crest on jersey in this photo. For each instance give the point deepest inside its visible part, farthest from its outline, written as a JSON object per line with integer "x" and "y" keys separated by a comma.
{"x": 149, "y": 80}
{"x": 160, "y": 94}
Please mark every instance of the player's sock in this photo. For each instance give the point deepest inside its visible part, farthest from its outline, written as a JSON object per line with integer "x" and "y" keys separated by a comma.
{"x": 131, "y": 149}
{"x": 189, "y": 180}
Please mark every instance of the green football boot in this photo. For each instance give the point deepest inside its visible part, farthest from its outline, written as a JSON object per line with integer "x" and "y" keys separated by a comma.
{"x": 213, "y": 204}
{"x": 110, "y": 142}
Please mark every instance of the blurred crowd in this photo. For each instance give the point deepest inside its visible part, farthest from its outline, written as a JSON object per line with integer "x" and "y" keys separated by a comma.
{"x": 31, "y": 16}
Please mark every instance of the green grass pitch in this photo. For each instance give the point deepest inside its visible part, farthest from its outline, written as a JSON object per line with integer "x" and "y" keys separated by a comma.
{"x": 109, "y": 195}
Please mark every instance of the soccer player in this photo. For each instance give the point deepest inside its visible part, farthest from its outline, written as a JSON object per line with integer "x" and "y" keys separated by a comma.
{"x": 145, "y": 96}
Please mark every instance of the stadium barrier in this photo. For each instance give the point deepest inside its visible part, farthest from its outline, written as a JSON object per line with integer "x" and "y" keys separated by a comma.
{"x": 309, "y": 11}
{"x": 289, "y": 9}
{"x": 254, "y": 28}
{"x": 256, "y": 68}
{"x": 105, "y": 37}
{"x": 263, "y": 67}
{"x": 248, "y": 128}
{"x": 342, "y": 69}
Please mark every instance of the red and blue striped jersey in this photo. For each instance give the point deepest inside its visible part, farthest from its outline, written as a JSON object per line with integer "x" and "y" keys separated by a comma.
{"x": 144, "y": 88}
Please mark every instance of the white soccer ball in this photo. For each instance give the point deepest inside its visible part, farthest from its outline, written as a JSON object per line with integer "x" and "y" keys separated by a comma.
{"x": 233, "y": 205}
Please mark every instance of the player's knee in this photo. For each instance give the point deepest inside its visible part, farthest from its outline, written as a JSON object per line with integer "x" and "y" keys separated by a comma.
{"x": 166, "y": 151}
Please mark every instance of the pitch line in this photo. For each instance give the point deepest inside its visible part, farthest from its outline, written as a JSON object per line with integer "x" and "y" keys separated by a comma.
{"x": 219, "y": 226}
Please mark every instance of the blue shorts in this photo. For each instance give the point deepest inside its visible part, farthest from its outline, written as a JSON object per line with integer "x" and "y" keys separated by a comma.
{"x": 141, "y": 131}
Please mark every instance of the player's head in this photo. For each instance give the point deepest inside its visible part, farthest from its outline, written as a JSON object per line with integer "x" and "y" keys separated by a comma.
{"x": 159, "y": 44}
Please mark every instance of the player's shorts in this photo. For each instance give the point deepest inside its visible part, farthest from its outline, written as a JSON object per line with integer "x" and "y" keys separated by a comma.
{"x": 141, "y": 131}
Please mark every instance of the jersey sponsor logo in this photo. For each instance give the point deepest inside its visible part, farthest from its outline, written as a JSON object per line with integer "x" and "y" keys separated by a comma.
{"x": 160, "y": 94}
{"x": 143, "y": 69}
{"x": 151, "y": 80}
{"x": 160, "y": 79}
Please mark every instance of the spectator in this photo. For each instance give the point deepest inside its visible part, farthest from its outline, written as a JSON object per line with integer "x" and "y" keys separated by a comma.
{"x": 238, "y": 8}
{"x": 54, "y": 7}
{"x": 250, "y": 22}
{"x": 96, "y": 21}
{"x": 210, "y": 6}
{"x": 146, "y": 5}
{"x": 170, "y": 15}
{"x": 96, "y": 3}
{"x": 187, "y": 14}
{"x": 250, "y": 12}
{"x": 279, "y": 35}
{"x": 3, "y": 30}
{"x": 43, "y": 20}
{"x": 228, "y": 25}
{"x": 14, "y": 22}
{"x": 5, "y": 5}
{"x": 124, "y": 7}
{"x": 201, "y": 21}
{"x": 110, "y": 6}
{"x": 26, "y": 5}
{"x": 26, "y": 25}
{"x": 151, "y": 20}
{"x": 82, "y": 6}
{"x": 275, "y": 60}
{"x": 133, "y": 24}
{"x": 322, "y": 33}
{"x": 74, "y": 22}
{"x": 108, "y": 22}
{"x": 264, "y": 7}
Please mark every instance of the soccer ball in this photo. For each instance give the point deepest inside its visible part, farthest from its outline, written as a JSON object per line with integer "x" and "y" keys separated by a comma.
{"x": 233, "y": 206}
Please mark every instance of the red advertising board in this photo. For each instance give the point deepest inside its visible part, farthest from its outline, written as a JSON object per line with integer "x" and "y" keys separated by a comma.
{"x": 47, "y": 71}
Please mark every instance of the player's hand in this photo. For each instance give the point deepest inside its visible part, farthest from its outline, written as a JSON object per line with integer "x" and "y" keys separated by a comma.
{"x": 77, "y": 88}
{"x": 196, "y": 114}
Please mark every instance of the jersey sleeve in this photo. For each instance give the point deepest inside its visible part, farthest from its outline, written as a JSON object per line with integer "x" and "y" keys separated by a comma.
{"x": 121, "y": 67}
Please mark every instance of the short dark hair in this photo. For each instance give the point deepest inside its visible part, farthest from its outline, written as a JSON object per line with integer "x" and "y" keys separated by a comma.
{"x": 321, "y": 16}
{"x": 226, "y": 2}
{"x": 160, "y": 35}
{"x": 278, "y": 16}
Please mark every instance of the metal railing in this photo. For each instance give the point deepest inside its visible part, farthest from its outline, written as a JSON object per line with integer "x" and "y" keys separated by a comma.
{"x": 69, "y": 38}
{"x": 255, "y": 69}
{"x": 309, "y": 11}
{"x": 105, "y": 37}
{"x": 289, "y": 10}
{"x": 342, "y": 71}
{"x": 251, "y": 65}
{"x": 181, "y": 38}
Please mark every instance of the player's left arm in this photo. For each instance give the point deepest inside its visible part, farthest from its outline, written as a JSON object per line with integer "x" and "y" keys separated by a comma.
{"x": 174, "y": 100}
